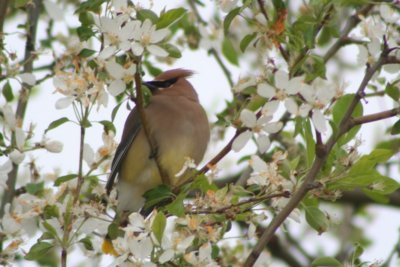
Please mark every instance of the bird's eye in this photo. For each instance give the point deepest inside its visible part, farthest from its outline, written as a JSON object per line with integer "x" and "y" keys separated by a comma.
{"x": 154, "y": 85}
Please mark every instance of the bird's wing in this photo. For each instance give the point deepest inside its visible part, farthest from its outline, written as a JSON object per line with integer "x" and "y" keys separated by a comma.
{"x": 131, "y": 130}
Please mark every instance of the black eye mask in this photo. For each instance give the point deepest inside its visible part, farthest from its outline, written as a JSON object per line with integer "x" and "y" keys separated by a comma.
{"x": 156, "y": 85}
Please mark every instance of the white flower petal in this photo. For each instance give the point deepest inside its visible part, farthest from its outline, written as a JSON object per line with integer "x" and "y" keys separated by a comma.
{"x": 6, "y": 167}
{"x": 28, "y": 78}
{"x": 167, "y": 255}
{"x": 304, "y": 110}
{"x": 281, "y": 79}
{"x": 159, "y": 35}
{"x": 291, "y": 106}
{"x": 263, "y": 143}
{"x": 114, "y": 69}
{"x": 53, "y": 146}
{"x": 270, "y": 108}
{"x": 54, "y": 11}
{"x": 9, "y": 116}
{"x": 248, "y": 118}
{"x": 157, "y": 51}
{"x": 273, "y": 127}
{"x": 116, "y": 87}
{"x": 64, "y": 102}
{"x": 19, "y": 138}
{"x": 257, "y": 164}
{"x": 266, "y": 90}
{"x": 88, "y": 154}
{"x": 137, "y": 49}
{"x": 107, "y": 52}
{"x": 241, "y": 141}
{"x": 294, "y": 85}
{"x": 17, "y": 157}
{"x": 319, "y": 120}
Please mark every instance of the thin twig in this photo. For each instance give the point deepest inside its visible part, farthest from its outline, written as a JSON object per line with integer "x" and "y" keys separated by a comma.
{"x": 351, "y": 23}
{"x": 285, "y": 194}
{"x": 212, "y": 51}
{"x": 3, "y": 13}
{"x": 145, "y": 125}
{"x": 222, "y": 153}
{"x": 227, "y": 73}
{"x": 304, "y": 51}
{"x": 344, "y": 126}
{"x": 33, "y": 11}
{"x": 376, "y": 116}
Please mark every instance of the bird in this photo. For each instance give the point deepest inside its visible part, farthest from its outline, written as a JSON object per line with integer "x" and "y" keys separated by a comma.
{"x": 178, "y": 126}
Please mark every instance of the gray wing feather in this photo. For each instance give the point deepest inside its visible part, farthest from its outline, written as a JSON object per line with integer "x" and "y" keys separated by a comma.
{"x": 122, "y": 150}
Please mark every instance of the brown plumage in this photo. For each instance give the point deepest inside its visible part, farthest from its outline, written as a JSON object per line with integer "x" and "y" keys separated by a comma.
{"x": 178, "y": 125}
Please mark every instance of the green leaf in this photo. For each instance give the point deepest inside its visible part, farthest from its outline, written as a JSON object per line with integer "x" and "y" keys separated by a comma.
{"x": 86, "y": 19}
{"x": 34, "y": 188}
{"x": 310, "y": 143}
{"x": 87, "y": 243}
{"x": 154, "y": 71}
{"x": 157, "y": 195}
{"x": 279, "y": 4}
{"x": 229, "y": 18}
{"x": 316, "y": 218}
{"x": 56, "y": 123}
{"x": 172, "y": 50}
{"x": 392, "y": 91}
{"x": 108, "y": 126}
{"x": 84, "y": 53}
{"x": 170, "y": 17}
{"x": 50, "y": 229}
{"x": 201, "y": 183}
{"x": 326, "y": 262}
{"x": 113, "y": 231}
{"x": 368, "y": 162}
{"x": 229, "y": 51}
{"x": 90, "y": 5}
{"x": 51, "y": 211}
{"x": 339, "y": 109}
{"x": 176, "y": 207}
{"x": 7, "y": 92}
{"x": 39, "y": 250}
{"x": 246, "y": 41}
{"x": 84, "y": 33}
{"x": 63, "y": 179}
{"x": 20, "y": 3}
{"x": 158, "y": 226}
{"x": 395, "y": 128}
{"x": 144, "y": 14}
{"x": 114, "y": 111}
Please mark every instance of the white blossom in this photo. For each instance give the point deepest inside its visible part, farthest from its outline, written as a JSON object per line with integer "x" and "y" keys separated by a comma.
{"x": 28, "y": 78}
{"x": 17, "y": 157}
{"x": 227, "y": 5}
{"x": 9, "y": 116}
{"x": 147, "y": 37}
{"x": 120, "y": 75}
{"x": 259, "y": 126}
{"x": 202, "y": 257}
{"x": 53, "y": 146}
{"x": 5, "y": 168}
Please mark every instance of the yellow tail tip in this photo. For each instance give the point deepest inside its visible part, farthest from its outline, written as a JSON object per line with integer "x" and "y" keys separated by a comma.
{"x": 108, "y": 248}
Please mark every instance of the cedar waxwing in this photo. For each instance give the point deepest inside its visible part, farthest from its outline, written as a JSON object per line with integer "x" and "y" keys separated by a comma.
{"x": 179, "y": 127}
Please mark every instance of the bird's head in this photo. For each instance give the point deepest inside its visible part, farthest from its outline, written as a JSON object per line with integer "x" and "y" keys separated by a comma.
{"x": 173, "y": 82}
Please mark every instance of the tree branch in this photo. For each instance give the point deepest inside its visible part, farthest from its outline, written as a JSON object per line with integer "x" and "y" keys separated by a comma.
{"x": 32, "y": 20}
{"x": 375, "y": 117}
{"x": 3, "y": 13}
{"x": 319, "y": 161}
{"x": 285, "y": 194}
{"x": 153, "y": 145}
